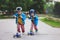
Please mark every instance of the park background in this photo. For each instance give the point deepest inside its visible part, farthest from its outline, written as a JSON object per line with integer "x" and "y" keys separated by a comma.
{"x": 47, "y": 9}
{"x": 48, "y": 12}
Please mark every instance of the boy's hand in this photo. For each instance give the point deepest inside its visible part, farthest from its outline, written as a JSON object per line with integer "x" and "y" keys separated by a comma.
{"x": 28, "y": 16}
{"x": 20, "y": 16}
{"x": 32, "y": 19}
{"x": 14, "y": 16}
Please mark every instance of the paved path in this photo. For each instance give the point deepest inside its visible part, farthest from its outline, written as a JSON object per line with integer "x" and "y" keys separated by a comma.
{"x": 46, "y": 32}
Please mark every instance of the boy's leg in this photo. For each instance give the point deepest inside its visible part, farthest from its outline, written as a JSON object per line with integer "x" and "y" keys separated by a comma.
{"x": 18, "y": 31}
{"x": 18, "y": 27}
{"x": 31, "y": 29}
{"x": 35, "y": 27}
{"x": 22, "y": 27}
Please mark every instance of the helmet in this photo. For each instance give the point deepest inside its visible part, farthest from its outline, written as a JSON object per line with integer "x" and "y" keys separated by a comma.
{"x": 32, "y": 11}
{"x": 18, "y": 8}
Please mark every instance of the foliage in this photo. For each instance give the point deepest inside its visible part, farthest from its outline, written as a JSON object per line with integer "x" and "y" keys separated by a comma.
{"x": 10, "y": 5}
{"x": 57, "y": 9}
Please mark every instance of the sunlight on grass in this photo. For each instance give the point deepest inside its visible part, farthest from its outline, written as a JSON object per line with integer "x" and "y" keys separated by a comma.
{"x": 51, "y": 22}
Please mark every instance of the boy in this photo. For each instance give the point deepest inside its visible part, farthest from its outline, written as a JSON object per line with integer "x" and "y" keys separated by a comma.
{"x": 20, "y": 21}
{"x": 34, "y": 21}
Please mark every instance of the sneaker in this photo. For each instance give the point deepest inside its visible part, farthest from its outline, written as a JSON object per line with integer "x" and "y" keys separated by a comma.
{"x": 36, "y": 31}
{"x": 18, "y": 35}
{"x": 31, "y": 33}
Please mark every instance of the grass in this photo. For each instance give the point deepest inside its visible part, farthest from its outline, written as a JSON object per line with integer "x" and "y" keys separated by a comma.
{"x": 5, "y": 17}
{"x": 51, "y": 22}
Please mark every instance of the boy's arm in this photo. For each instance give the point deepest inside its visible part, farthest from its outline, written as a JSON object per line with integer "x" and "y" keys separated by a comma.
{"x": 23, "y": 16}
{"x": 15, "y": 15}
{"x": 36, "y": 17}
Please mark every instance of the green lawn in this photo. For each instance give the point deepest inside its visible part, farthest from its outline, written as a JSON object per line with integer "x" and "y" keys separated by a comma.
{"x": 5, "y": 17}
{"x": 51, "y": 22}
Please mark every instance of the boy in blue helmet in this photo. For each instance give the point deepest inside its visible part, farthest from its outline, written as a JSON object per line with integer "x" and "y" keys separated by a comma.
{"x": 20, "y": 21}
{"x": 34, "y": 20}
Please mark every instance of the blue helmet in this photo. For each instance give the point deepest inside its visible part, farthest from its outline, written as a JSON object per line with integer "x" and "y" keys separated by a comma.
{"x": 32, "y": 11}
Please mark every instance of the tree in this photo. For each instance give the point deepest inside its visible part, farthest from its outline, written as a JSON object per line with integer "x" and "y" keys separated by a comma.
{"x": 38, "y": 5}
{"x": 10, "y": 5}
{"x": 57, "y": 9}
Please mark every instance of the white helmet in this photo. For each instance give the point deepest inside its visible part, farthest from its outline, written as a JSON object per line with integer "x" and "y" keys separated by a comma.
{"x": 18, "y": 8}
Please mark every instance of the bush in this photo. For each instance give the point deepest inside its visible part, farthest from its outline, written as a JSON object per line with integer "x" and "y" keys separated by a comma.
{"x": 57, "y": 9}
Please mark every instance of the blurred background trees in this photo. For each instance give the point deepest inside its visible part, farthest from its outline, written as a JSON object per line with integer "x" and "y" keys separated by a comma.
{"x": 41, "y": 6}
{"x": 57, "y": 10}
{"x": 10, "y": 5}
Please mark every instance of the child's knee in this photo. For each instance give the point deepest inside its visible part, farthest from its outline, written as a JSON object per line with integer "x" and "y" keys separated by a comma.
{"x": 18, "y": 30}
